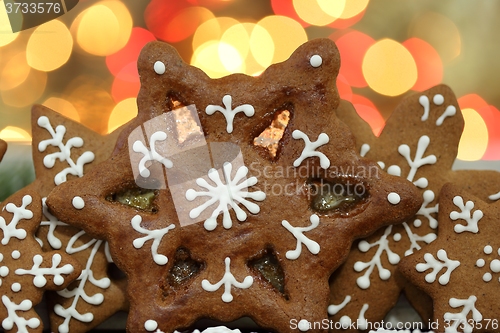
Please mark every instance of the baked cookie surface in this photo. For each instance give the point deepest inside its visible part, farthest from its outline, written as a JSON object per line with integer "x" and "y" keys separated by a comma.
{"x": 234, "y": 197}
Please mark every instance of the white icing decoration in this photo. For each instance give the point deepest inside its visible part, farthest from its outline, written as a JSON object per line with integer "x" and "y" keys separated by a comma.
{"x": 487, "y": 277}
{"x": 19, "y": 213}
{"x": 64, "y": 154}
{"x": 159, "y": 68}
{"x": 298, "y": 233}
{"x": 438, "y": 100}
{"x": 310, "y": 148}
{"x": 494, "y": 197}
{"x": 78, "y": 293}
{"x": 393, "y": 198}
{"x": 465, "y": 214}
{"x": 428, "y": 197}
{"x": 383, "y": 245}
{"x": 52, "y": 223}
{"x": 495, "y": 266}
{"x": 150, "y": 325}
{"x": 381, "y": 164}
{"x": 362, "y": 322}
{"x": 156, "y": 235}
{"x": 39, "y": 273}
{"x": 419, "y": 161}
{"x": 15, "y": 254}
{"x": 316, "y": 60}
{"x": 394, "y": 170}
{"x": 227, "y": 280}
{"x": 229, "y": 112}
{"x": 151, "y": 155}
{"x": 16, "y": 287}
{"x": 4, "y": 270}
{"x": 488, "y": 249}
{"x": 365, "y": 148}
{"x": 460, "y": 318}
{"x": 397, "y": 237}
{"x": 334, "y": 309}
{"x": 480, "y": 263}
{"x": 12, "y": 319}
{"x": 437, "y": 266}
{"x": 414, "y": 239}
{"x": 231, "y": 194}
{"x": 78, "y": 202}
{"x": 303, "y": 325}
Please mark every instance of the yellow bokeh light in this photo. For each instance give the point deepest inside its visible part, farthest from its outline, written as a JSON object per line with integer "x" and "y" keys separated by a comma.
{"x": 49, "y": 46}
{"x": 238, "y": 37}
{"x": 474, "y": 140}
{"x": 6, "y": 34}
{"x": 211, "y": 30}
{"x": 439, "y": 31}
{"x": 287, "y": 35}
{"x": 63, "y": 107}
{"x": 14, "y": 134}
{"x": 27, "y": 92}
{"x": 353, "y": 8}
{"x": 389, "y": 68}
{"x": 217, "y": 59}
{"x": 123, "y": 112}
{"x": 261, "y": 46}
{"x": 15, "y": 72}
{"x": 103, "y": 28}
{"x": 319, "y": 12}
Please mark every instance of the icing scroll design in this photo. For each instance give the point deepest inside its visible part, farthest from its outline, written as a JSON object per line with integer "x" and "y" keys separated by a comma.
{"x": 438, "y": 99}
{"x": 228, "y": 111}
{"x": 460, "y": 318}
{"x": 466, "y": 215}
{"x": 151, "y": 154}
{"x": 14, "y": 319}
{"x": 155, "y": 235}
{"x": 39, "y": 273}
{"x": 18, "y": 213}
{"x": 310, "y": 148}
{"x": 298, "y": 233}
{"x": 436, "y": 265}
{"x": 64, "y": 153}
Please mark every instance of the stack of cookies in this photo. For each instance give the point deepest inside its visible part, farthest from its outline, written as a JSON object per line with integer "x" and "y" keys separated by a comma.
{"x": 248, "y": 197}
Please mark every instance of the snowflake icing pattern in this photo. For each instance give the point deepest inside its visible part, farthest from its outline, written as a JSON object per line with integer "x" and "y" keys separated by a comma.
{"x": 230, "y": 194}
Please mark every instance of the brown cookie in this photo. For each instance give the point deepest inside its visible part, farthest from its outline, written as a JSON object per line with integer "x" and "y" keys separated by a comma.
{"x": 419, "y": 143}
{"x": 459, "y": 270}
{"x": 267, "y": 169}
{"x": 64, "y": 150}
{"x": 3, "y": 148}
{"x": 26, "y": 271}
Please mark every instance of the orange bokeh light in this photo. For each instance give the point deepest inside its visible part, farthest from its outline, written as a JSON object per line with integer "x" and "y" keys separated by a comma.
{"x": 345, "y": 90}
{"x": 429, "y": 64}
{"x": 352, "y": 47}
{"x": 369, "y": 113}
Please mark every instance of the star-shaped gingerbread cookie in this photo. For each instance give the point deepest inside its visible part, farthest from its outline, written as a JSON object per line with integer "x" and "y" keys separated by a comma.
{"x": 419, "y": 143}
{"x": 459, "y": 270}
{"x": 234, "y": 197}
{"x": 26, "y": 271}
{"x": 64, "y": 150}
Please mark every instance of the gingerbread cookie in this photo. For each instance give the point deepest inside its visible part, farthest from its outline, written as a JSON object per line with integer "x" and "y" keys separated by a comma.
{"x": 459, "y": 270}
{"x": 419, "y": 143}
{"x": 26, "y": 271}
{"x": 238, "y": 196}
{"x": 3, "y": 148}
{"x": 64, "y": 150}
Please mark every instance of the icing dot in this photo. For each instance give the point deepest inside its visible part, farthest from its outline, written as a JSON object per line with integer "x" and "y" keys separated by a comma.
{"x": 393, "y": 198}
{"x": 150, "y": 325}
{"x": 480, "y": 263}
{"x": 495, "y": 266}
{"x": 159, "y": 68}
{"x": 16, "y": 287}
{"x": 381, "y": 164}
{"x": 487, "y": 277}
{"x": 4, "y": 271}
{"x": 397, "y": 237}
{"x": 15, "y": 254}
{"x": 497, "y": 251}
{"x": 488, "y": 249}
{"x": 78, "y": 202}
{"x": 394, "y": 170}
{"x": 417, "y": 223}
{"x": 316, "y": 60}
{"x": 345, "y": 322}
{"x": 303, "y": 325}
{"x": 438, "y": 99}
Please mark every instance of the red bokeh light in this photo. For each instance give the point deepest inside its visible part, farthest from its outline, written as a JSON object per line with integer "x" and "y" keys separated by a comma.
{"x": 285, "y": 8}
{"x": 352, "y": 47}
{"x": 491, "y": 116}
{"x": 369, "y": 113}
{"x": 126, "y": 84}
{"x": 344, "y": 88}
{"x": 159, "y": 14}
{"x": 346, "y": 23}
{"x": 429, "y": 64}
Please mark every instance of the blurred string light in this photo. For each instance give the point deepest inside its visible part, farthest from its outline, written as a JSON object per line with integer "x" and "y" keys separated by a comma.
{"x": 15, "y": 134}
{"x": 389, "y": 68}
{"x": 103, "y": 28}
{"x": 123, "y": 65}
{"x": 429, "y": 64}
{"x": 122, "y": 113}
{"x": 481, "y": 138}
{"x": 49, "y": 46}
{"x": 63, "y": 107}
{"x": 440, "y": 32}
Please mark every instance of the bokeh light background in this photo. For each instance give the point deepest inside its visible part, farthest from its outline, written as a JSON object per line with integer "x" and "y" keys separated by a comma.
{"x": 83, "y": 64}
